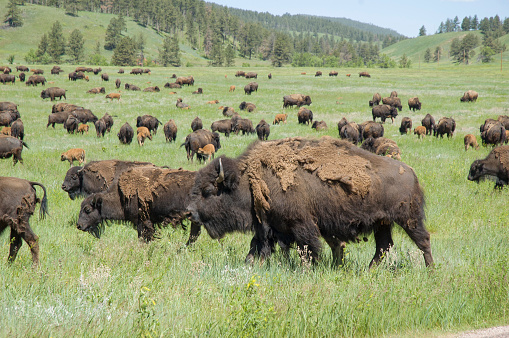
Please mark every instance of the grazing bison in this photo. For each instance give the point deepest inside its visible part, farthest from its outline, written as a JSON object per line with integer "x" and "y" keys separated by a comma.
{"x": 95, "y": 176}
{"x": 495, "y": 165}
{"x": 11, "y": 146}
{"x": 222, "y": 126}
{"x": 414, "y": 103}
{"x": 274, "y": 187}
{"x": 298, "y": 100}
{"x": 112, "y": 96}
{"x": 170, "y": 131}
{"x": 125, "y": 134}
{"x": 370, "y": 129}
{"x": 492, "y": 132}
{"x": 136, "y": 71}
{"x": 6, "y": 105}
{"x": 105, "y": 77}
{"x": 251, "y": 75}
{"x": 343, "y": 122}
{"x": 84, "y": 115}
{"x": 22, "y": 77}
{"x": 350, "y": 132}
{"x": 183, "y": 80}
{"x": 196, "y": 124}
{"x": 83, "y": 128}
{"x": 142, "y": 134}
{"x": 59, "y": 117}
{"x": 406, "y": 126}
{"x": 319, "y": 125}
{"x": 240, "y": 73}
{"x": 149, "y": 121}
{"x": 470, "y": 141}
{"x": 199, "y": 139}
{"x": 280, "y": 118}
{"x": 71, "y": 124}
{"x": 38, "y": 71}
{"x": 318, "y": 73}
{"x": 244, "y": 125}
{"x": 228, "y": 111}
{"x": 384, "y": 111}
{"x": 34, "y": 80}
{"x": 144, "y": 196}
{"x": 232, "y": 89}
{"x": 394, "y": 94}
{"x": 100, "y": 127}
{"x": 53, "y": 92}
{"x": 8, "y": 117}
{"x": 15, "y": 212}
{"x": 97, "y": 90}
{"x": 446, "y": 125}
{"x": 250, "y": 87}
{"x": 154, "y": 89}
{"x": 206, "y": 152}
{"x": 363, "y": 74}
{"x": 22, "y": 69}
{"x": 382, "y": 146}
{"x": 250, "y": 107}
{"x": 376, "y": 100}
{"x": 263, "y": 130}
{"x": 75, "y": 154}
{"x": 121, "y": 71}
{"x": 429, "y": 123}
{"x": 469, "y": 96}
{"x": 117, "y": 83}
{"x": 393, "y": 101}
{"x": 305, "y": 116}
{"x": 97, "y": 70}
{"x": 420, "y": 131}
{"x": 56, "y": 70}
{"x": 333, "y": 73}
{"x": 4, "y": 78}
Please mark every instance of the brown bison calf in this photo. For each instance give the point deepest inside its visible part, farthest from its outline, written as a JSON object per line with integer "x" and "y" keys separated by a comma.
{"x": 280, "y": 118}
{"x": 15, "y": 212}
{"x": 75, "y": 154}
{"x": 113, "y": 96}
{"x": 83, "y": 128}
{"x": 470, "y": 141}
{"x": 420, "y": 131}
{"x": 232, "y": 89}
{"x": 207, "y": 151}
{"x": 6, "y": 131}
{"x": 143, "y": 133}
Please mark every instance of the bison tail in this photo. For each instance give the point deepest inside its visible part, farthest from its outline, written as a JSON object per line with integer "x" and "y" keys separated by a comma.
{"x": 26, "y": 145}
{"x": 44, "y": 202}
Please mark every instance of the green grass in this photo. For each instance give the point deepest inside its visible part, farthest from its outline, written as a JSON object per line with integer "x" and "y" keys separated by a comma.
{"x": 117, "y": 286}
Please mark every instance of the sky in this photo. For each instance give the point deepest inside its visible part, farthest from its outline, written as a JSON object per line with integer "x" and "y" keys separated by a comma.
{"x": 404, "y": 16}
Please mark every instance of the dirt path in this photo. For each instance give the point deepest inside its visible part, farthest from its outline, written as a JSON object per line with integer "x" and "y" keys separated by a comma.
{"x": 493, "y": 332}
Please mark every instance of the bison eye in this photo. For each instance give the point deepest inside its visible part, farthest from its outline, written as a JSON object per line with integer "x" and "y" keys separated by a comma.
{"x": 88, "y": 210}
{"x": 74, "y": 177}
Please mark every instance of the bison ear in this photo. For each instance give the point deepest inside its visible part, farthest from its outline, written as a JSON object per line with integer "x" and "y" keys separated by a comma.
{"x": 97, "y": 202}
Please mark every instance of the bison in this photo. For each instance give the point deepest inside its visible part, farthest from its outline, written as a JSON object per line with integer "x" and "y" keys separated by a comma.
{"x": 71, "y": 124}
{"x": 206, "y": 152}
{"x": 15, "y": 212}
{"x": 4, "y": 78}
{"x": 240, "y": 73}
{"x": 125, "y": 134}
{"x": 142, "y": 134}
{"x": 318, "y": 73}
{"x": 59, "y": 118}
{"x": 22, "y": 69}
{"x": 446, "y": 125}
{"x": 75, "y": 154}
{"x": 22, "y": 77}
{"x": 429, "y": 123}
{"x": 128, "y": 86}
{"x": 145, "y": 197}
{"x": 280, "y": 118}
{"x": 185, "y": 80}
{"x": 250, "y": 107}
{"x": 83, "y": 128}
{"x": 495, "y": 165}
{"x": 406, "y": 125}
{"x": 172, "y": 85}
{"x": 492, "y": 132}
{"x": 319, "y": 125}
{"x": 222, "y": 126}
{"x": 370, "y": 129}
{"x": 228, "y": 111}
{"x": 414, "y": 103}
{"x": 263, "y": 130}
{"x": 470, "y": 141}
{"x": 469, "y": 96}
{"x": 149, "y": 121}
{"x": 199, "y": 139}
{"x": 298, "y": 100}
{"x": 273, "y": 189}
{"x": 108, "y": 120}
{"x": 420, "y": 131}
{"x": 100, "y": 127}
{"x": 199, "y": 91}
{"x": 112, "y": 96}
{"x": 376, "y": 100}
{"x": 363, "y": 74}
{"x": 97, "y": 90}
{"x": 196, "y": 124}
{"x": 53, "y": 92}
{"x": 170, "y": 131}
{"x": 393, "y": 101}
{"x": 350, "y": 132}
{"x": 84, "y": 115}
{"x": 251, "y": 75}
{"x": 8, "y": 117}
{"x": 34, "y": 80}
{"x": 117, "y": 83}
{"x": 12, "y": 146}
{"x": 105, "y": 77}
{"x": 244, "y": 125}
{"x": 305, "y": 116}
{"x": 333, "y": 73}
{"x": 181, "y": 104}
{"x": 154, "y": 89}
{"x": 250, "y": 87}
{"x": 384, "y": 111}
{"x": 382, "y": 146}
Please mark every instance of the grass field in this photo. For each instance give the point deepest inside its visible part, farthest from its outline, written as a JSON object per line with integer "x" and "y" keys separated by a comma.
{"x": 118, "y": 286}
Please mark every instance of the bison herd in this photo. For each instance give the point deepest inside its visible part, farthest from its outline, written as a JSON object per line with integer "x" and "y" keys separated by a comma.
{"x": 284, "y": 192}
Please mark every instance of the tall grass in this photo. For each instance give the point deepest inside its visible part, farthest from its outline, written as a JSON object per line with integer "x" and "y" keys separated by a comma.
{"x": 117, "y": 286}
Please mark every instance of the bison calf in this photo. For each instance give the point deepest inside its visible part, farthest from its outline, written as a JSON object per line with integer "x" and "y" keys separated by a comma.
{"x": 470, "y": 141}
{"x": 143, "y": 133}
{"x": 206, "y": 152}
{"x": 75, "y": 154}
{"x": 420, "y": 131}
{"x": 280, "y": 118}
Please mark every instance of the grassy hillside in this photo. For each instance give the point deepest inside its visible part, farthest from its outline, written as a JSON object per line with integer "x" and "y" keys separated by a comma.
{"x": 416, "y": 47}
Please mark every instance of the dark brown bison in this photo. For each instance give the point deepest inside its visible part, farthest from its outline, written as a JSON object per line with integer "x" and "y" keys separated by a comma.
{"x": 5, "y": 70}
{"x": 251, "y": 75}
{"x": 250, "y": 107}
{"x": 172, "y": 85}
{"x": 495, "y": 166}
{"x": 469, "y": 96}
{"x": 4, "y": 78}
{"x": 364, "y": 74}
{"x": 144, "y": 196}
{"x": 406, "y": 126}
{"x": 15, "y": 212}
{"x": 128, "y": 86}
{"x": 492, "y": 133}
{"x": 149, "y": 121}
{"x": 393, "y": 101}
{"x": 414, "y": 103}
{"x": 350, "y": 132}
{"x": 125, "y": 134}
{"x": 504, "y": 119}
{"x": 38, "y": 71}
{"x": 7, "y": 105}
{"x": 170, "y": 131}
{"x": 117, "y": 83}
{"x": 319, "y": 125}
{"x": 305, "y": 116}
{"x": 333, "y": 73}
{"x": 146, "y": 71}
{"x": 244, "y": 125}
{"x": 11, "y": 147}
{"x": 250, "y": 87}
{"x": 95, "y": 176}
{"x": 34, "y": 80}
{"x": 376, "y": 100}
{"x": 56, "y": 70}
{"x": 8, "y": 117}
{"x": 22, "y": 69}
{"x": 137, "y": 71}
{"x": 97, "y": 70}
{"x": 71, "y": 124}
{"x": 105, "y": 77}
{"x": 240, "y": 73}
{"x": 394, "y": 94}
{"x": 80, "y": 69}
{"x": 384, "y": 111}
{"x": 153, "y": 89}
{"x": 298, "y": 100}
{"x": 97, "y": 90}
{"x": 18, "y": 129}
{"x": 446, "y": 125}
{"x": 196, "y": 124}
{"x": 343, "y": 122}
{"x": 100, "y": 127}
{"x": 274, "y": 187}
{"x": 199, "y": 139}
{"x": 121, "y": 71}
{"x": 429, "y": 123}
{"x": 263, "y": 130}
{"x": 58, "y": 118}
{"x": 182, "y": 105}
{"x": 53, "y": 92}
{"x": 318, "y": 73}
{"x": 84, "y": 115}
{"x": 370, "y": 129}
{"x": 222, "y": 126}
{"x": 185, "y": 80}
{"x": 382, "y": 146}
{"x": 228, "y": 111}
{"x": 198, "y": 91}
{"x": 22, "y": 77}
{"x": 269, "y": 76}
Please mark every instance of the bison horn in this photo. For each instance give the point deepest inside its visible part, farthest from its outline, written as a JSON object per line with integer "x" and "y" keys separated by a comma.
{"x": 220, "y": 178}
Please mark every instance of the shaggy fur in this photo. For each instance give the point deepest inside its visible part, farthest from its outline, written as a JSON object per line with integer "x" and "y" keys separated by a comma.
{"x": 446, "y": 125}
{"x": 414, "y": 103}
{"x": 496, "y": 165}
{"x": 429, "y": 123}
{"x": 350, "y": 132}
{"x": 382, "y": 146}
{"x": 298, "y": 100}
{"x": 263, "y": 130}
{"x": 222, "y": 126}
{"x": 305, "y": 116}
{"x": 406, "y": 125}
{"x": 384, "y": 111}
{"x": 170, "y": 131}
{"x": 125, "y": 134}
{"x": 196, "y": 124}
{"x": 370, "y": 129}
{"x": 148, "y": 121}
{"x": 376, "y": 100}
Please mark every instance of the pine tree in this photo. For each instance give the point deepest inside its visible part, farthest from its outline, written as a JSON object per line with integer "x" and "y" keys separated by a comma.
{"x": 56, "y": 42}
{"x": 169, "y": 54}
{"x": 463, "y": 50}
{"x": 13, "y": 15}
{"x": 114, "y": 32}
{"x": 282, "y": 50}
{"x": 229, "y": 55}
{"x": 422, "y": 31}
{"x": 404, "y": 62}
{"x": 125, "y": 53}
{"x": 42, "y": 47}
{"x": 438, "y": 54}
{"x": 76, "y": 46}
{"x": 474, "y": 23}
{"x": 427, "y": 55}
{"x": 465, "y": 24}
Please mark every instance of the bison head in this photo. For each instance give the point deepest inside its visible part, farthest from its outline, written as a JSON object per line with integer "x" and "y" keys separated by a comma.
{"x": 476, "y": 171}
{"x": 73, "y": 182}
{"x": 44, "y": 95}
{"x": 90, "y": 217}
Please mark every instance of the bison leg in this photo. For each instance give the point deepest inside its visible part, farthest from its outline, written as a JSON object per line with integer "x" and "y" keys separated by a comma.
{"x": 15, "y": 245}
{"x": 146, "y": 230}
{"x": 421, "y": 238}
{"x": 24, "y": 232}
{"x": 194, "y": 234}
{"x": 383, "y": 239}
{"x": 337, "y": 248}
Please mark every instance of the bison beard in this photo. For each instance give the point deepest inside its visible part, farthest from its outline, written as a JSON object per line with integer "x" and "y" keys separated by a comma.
{"x": 297, "y": 189}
